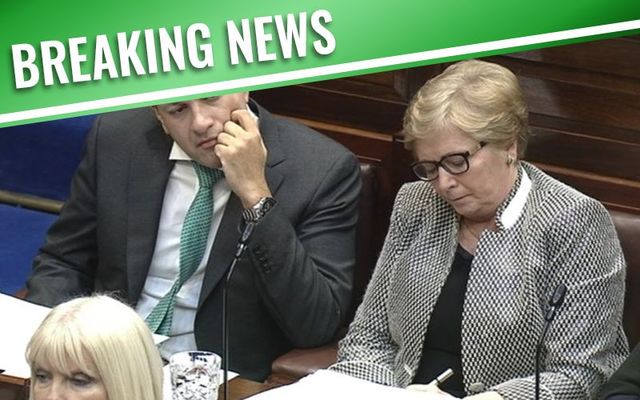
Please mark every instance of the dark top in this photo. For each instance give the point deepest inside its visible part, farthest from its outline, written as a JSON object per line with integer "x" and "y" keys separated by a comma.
{"x": 442, "y": 344}
{"x": 625, "y": 383}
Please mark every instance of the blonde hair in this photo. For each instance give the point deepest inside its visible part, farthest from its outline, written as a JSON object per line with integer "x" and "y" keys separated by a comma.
{"x": 100, "y": 330}
{"x": 480, "y": 98}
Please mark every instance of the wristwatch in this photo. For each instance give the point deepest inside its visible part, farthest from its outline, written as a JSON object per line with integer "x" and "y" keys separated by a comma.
{"x": 256, "y": 212}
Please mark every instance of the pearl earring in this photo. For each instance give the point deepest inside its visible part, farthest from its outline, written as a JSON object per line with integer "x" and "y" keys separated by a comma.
{"x": 510, "y": 159}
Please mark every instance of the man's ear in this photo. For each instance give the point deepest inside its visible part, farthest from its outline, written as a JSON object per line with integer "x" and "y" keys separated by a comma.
{"x": 159, "y": 117}
{"x": 245, "y": 97}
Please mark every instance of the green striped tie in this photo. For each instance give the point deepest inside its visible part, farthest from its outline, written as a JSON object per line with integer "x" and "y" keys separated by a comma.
{"x": 193, "y": 241}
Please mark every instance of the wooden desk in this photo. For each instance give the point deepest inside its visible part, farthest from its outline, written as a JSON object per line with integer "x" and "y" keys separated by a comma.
{"x": 240, "y": 388}
{"x": 17, "y": 388}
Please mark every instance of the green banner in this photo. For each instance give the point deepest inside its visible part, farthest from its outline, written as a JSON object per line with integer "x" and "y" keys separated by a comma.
{"x": 77, "y": 57}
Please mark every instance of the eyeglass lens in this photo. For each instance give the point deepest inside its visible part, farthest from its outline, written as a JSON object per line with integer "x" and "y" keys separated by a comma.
{"x": 454, "y": 164}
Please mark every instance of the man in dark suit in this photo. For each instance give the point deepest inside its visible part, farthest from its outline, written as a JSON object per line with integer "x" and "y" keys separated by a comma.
{"x": 120, "y": 230}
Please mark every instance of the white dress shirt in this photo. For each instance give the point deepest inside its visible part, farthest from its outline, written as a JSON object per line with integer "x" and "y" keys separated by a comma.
{"x": 165, "y": 263}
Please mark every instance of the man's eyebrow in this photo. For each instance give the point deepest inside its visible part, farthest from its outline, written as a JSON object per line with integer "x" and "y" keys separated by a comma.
{"x": 166, "y": 105}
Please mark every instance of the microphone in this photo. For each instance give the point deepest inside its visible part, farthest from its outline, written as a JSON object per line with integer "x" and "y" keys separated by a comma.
{"x": 555, "y": 302}
{"x": 240, "y": 248}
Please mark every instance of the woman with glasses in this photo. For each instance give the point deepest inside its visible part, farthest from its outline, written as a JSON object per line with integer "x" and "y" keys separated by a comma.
{"x": 474, "y": 252}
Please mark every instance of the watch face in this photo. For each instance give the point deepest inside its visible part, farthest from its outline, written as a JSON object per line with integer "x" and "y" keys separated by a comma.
{"x": 267, "y": 204}
{"x": 259, "y": 210}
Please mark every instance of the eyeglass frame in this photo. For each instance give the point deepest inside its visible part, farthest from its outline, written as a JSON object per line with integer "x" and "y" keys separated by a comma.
{"x": 465, "y": 155}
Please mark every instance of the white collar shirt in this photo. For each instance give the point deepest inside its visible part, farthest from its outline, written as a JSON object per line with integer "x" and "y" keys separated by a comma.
{"x": 163, "y": 271}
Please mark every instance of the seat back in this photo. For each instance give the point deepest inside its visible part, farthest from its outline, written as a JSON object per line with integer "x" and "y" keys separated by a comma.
{"x": 37, "y": 162}
{"x": 628, "y": 228}
{"x": 40, "y": 159}
{"x": 366, "y": 247}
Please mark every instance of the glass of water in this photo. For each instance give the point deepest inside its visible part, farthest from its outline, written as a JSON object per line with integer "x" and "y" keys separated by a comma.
{"x": 194, "y": 375}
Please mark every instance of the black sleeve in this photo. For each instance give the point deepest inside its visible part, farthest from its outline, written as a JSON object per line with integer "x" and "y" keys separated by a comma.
{"x": 625, "y": 382}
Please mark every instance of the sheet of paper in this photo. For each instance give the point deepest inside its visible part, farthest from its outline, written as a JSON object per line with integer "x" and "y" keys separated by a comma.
{"x": 19, "y": 320}
{"x": 326, "y": 384}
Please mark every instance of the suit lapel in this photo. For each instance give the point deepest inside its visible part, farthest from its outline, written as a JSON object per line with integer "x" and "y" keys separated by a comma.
{"x": 224, "y": 245}
{"x": 429, "y": 262}
{"x": 272, "y": 141}
{"x": 149, "y": 172}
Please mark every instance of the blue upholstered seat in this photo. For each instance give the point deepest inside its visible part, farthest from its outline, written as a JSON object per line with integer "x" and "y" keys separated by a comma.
{"x": 35, "y": 160}
{"x": 39, "y": 159}
{"x": 22, "y": 232}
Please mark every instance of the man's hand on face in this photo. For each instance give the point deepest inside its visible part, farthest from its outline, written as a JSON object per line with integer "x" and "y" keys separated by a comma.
{"x": 243, "y": 156}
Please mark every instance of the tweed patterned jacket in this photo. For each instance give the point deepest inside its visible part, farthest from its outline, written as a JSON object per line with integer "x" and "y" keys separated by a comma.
{"x": 548, "y": 233}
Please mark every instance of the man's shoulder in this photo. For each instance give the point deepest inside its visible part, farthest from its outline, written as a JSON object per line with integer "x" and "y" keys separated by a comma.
{"x": 122, "y": 131}
{"x": 127, "y": 121}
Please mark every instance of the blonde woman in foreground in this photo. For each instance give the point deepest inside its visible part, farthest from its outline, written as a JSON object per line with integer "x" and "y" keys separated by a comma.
{"x": 94, "y": 348}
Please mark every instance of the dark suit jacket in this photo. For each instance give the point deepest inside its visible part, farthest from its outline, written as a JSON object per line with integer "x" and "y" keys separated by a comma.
{"x": 625, "y": 382}
{"x": 290, "y": 289}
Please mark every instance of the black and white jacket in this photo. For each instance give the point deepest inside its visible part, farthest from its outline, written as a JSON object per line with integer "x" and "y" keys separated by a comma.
{"x": 548, "y": 233}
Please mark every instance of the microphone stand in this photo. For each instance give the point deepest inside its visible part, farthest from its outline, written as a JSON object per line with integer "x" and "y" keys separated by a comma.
{"x": 554, "y": 304}
{"x": 240, "y": 248}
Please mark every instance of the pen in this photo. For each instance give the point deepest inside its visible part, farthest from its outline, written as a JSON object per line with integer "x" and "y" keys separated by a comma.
{"x": 442, "y": 377}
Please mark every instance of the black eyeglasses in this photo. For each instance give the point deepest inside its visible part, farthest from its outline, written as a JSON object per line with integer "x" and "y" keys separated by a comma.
{"x": 455, "y": 164}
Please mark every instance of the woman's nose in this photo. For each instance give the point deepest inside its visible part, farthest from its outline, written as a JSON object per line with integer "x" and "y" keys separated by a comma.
{"x": 445, "y": 180}
{"x": 55, "y": 391}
